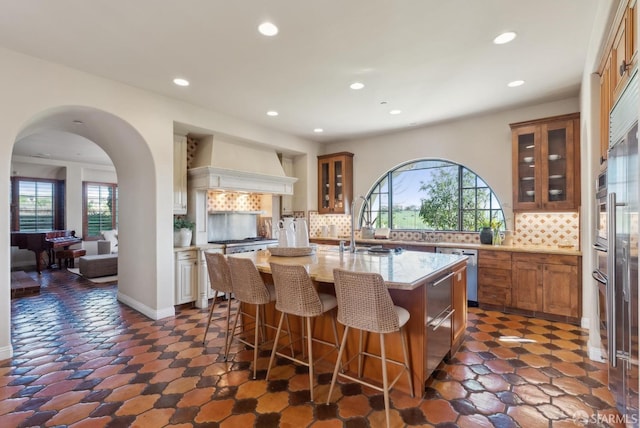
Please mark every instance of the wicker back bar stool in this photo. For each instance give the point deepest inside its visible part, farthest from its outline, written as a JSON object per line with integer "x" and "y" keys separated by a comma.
{"x": 249, "y": 288}
{"x": 296, "y": 295}
{"x": 364, "y": 304}
{"x": 220, "y": 280}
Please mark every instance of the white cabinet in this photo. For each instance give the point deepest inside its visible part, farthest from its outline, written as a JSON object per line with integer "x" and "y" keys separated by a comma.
{"x": 179, "y": 174}
{"x": 186, "y": 281}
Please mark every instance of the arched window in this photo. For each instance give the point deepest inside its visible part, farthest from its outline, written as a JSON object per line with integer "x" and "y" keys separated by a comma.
{"x": 432, "y": 194}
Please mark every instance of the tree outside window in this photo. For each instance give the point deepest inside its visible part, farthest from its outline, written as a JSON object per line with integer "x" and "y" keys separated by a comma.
{"x": 99, "y": 209}
{"x": 433, "y": 195}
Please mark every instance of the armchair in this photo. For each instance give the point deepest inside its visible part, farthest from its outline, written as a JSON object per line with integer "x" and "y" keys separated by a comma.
{"x": 109, "y": 242}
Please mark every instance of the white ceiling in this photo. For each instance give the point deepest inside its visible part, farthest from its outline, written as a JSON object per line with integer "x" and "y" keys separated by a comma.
{"x": 432, "y": 59}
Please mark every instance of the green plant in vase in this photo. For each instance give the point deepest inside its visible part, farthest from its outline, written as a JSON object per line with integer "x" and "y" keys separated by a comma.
{"x": 182, "y": 231}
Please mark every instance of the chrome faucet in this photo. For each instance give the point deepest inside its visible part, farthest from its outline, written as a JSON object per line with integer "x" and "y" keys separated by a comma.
{"x": 352, "y": 243}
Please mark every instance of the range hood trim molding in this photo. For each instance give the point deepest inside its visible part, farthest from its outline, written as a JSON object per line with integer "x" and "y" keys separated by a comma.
{"x": 212, "y": 178}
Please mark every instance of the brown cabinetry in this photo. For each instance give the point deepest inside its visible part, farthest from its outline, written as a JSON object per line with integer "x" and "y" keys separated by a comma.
{"x": 547, "y": 283}
{"x": 494, "y": 278}
{"x": 546, "y": 163}
{"x": 534, "y": 284}
{"x": 459, "y": 303}
{"x": 623, "y": 51}
{"x": 619, "y": 59}
{"x": 335, "y": 183}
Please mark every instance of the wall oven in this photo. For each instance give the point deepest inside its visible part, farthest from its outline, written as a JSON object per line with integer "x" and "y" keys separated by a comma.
{"x": 600, "y": 247}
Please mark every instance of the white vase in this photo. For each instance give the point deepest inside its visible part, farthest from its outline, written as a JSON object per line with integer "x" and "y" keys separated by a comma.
{"x": 182, "y": 237}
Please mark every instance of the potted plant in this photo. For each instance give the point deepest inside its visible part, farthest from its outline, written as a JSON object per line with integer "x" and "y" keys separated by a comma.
{"x": 182, "y": 231}
{"x": 497, "y": 237}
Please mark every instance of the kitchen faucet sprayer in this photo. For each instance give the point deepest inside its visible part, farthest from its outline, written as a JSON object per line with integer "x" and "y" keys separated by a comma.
{"x": 352, "y": 243}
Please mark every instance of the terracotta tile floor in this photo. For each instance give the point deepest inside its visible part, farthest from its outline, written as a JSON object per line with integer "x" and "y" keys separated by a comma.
{"x": 82, "y": 359}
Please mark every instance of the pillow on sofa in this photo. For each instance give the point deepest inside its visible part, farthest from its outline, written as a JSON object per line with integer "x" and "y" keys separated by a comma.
{"x": 111, "y": 236}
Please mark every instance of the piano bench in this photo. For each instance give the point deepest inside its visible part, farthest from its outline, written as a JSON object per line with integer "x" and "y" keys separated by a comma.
{"x": 69, "y": 256}
{"x": 99, "y": 265}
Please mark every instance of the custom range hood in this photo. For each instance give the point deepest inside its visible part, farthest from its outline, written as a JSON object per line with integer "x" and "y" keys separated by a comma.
{"x": 223, "y": 163}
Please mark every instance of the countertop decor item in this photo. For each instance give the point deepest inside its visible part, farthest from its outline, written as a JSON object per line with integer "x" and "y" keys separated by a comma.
{"x": 182, "y": 231}
{"x": 486, "y": 235}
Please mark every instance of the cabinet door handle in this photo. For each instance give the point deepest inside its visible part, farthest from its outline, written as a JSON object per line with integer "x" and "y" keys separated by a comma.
{"x": 624, "y": 67}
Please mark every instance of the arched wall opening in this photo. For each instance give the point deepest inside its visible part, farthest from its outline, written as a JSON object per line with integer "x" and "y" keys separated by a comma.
{"x": 137, "y": 187}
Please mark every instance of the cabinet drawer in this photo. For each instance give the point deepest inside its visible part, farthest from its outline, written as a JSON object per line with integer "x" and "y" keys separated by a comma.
{"x": 186, "y": 255}
{"x": 494, "y": 259}
{"x": 494, "y": 296}
{"x": 492, "y": 278}
{"x": 554, "y": 259}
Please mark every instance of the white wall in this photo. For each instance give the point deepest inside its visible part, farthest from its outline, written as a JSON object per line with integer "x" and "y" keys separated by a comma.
{"x": 481, "y": 143}
{"x": 135, "y": 128}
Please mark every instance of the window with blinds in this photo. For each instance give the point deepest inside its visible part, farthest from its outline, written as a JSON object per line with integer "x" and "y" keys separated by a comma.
{"x": 100, "y": 201}
{"x": 35, "y": 205}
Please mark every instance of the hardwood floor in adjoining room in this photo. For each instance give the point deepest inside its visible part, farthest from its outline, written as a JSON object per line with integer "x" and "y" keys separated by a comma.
{"x": 83, "y": 359}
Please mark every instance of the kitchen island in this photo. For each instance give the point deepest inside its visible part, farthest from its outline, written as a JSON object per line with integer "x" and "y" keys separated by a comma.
{"x": 409, "y": 276}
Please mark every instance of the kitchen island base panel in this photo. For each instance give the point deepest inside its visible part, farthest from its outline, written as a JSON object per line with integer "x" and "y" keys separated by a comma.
{"x": 412, "y": 300}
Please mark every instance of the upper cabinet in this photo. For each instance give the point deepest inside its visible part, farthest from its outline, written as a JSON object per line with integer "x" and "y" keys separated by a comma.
{"x": 335, "y": 183}
{"x": 546, "y": 164}
{"x": 618, "y": 61}
{"x": 623, "y": 51}
{"x": 179, "y": 175}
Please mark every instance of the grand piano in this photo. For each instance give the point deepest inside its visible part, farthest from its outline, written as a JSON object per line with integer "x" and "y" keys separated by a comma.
{"x": 42, "y": 243}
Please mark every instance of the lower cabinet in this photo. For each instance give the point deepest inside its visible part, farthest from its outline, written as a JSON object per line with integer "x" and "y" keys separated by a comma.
{"x": 186, "y": 281}
{"x": 494, "y": 278}
{"x": 459, "y": 303}
{"x": 547, "y": 283}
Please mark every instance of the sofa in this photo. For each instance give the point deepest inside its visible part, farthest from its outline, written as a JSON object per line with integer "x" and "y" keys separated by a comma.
{"x": 105, "y": 263}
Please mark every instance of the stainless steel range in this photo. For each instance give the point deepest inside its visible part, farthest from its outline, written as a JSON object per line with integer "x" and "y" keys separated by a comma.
{"x": 235, "y": 246}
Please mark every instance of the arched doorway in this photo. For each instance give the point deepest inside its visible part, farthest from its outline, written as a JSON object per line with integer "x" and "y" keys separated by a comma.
{"x": 138, "y": 284}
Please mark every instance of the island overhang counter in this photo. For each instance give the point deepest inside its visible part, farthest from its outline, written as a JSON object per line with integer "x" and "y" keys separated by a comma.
{"x": 408, "y": 276}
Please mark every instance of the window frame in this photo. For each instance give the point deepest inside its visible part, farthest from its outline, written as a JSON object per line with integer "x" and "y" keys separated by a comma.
{"x": 85, "y": 217}
{"x": 384, "y": 188}
{"x": 58, "y": 198}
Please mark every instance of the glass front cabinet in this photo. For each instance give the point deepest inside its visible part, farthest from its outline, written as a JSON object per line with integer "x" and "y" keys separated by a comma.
{"x": 546, "y": 164}
{"x": 335, "y": 183}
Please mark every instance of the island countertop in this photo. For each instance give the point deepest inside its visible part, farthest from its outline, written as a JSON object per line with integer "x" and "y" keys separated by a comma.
{"x": 406, "y": 270}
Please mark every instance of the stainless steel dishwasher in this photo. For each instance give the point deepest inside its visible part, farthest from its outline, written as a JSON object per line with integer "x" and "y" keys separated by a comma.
{"x": 472, "y": 271}
{"x": 438, "y": 320}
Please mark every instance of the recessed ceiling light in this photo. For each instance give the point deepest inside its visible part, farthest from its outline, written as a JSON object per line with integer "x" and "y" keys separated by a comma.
{"x": 515, "y": 83}
{"x": 505, "y": 37}
{"x": 318, "y": 130}
{"x": 357, "y": 85}
{"x": 180, "y": 81}
{"x": 396, "y": 111}
{"x": 272, "y": 113}
{"x": 268, "y": 29}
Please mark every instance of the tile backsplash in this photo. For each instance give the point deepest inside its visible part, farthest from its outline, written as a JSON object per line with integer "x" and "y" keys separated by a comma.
{"x": 548, "y": 229}
{"x": 231, "y": 201}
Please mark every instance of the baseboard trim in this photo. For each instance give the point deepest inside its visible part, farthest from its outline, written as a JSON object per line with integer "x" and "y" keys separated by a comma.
{"x": 6, "y": 352}
{"x": 584, "y": 323}
{"x": 146, "y": 310}
{"x": 595, "y": 354}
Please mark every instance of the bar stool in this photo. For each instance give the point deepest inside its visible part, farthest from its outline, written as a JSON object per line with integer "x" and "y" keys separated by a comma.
{"x": 249, "y": 288}
{"x": 220, "y": 280}
{"x": 296, "y": 295}
{"x": 364, "y": 303}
